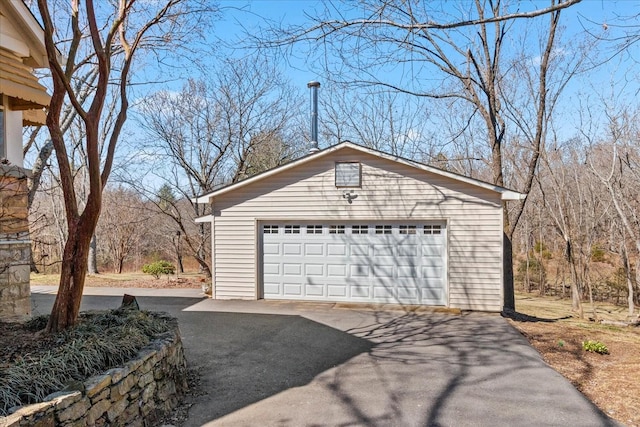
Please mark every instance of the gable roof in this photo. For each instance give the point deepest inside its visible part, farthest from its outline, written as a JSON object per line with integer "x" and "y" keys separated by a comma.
{"x": 506, "y": 194}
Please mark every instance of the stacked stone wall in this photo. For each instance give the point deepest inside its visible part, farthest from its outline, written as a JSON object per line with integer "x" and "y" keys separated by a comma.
{"x": 137, "y": 394}
{"x": 15, "y": 246}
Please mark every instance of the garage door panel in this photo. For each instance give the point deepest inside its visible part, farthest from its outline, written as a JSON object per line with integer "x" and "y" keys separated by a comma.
{"x": 334, "y": 262}
{"x": 359, "y": 291}
{"x": 432, "y": 295}
{"x": 336, "y": 249}
{"x": 271, "y": 288}
{"x": 271, "y": 249}
{"x": 271, "y": 268}
{"x": 291, "y": 270}
{"x": 337, "y": 270}
{"x": 383, "y": 271}
{"x": 358, "y": 270}
{"x": 311, "y": 290}
{"x": 431, "y": 272}
{"x": 291, "y": 249}
{"x": 292, "y": 290}
{"x": 359, "y": 250}
{"x": 432, "y": 261}
{"x": 313, "y": 249}
{"x": 383, "y": 293}
{"x": 407, "y": 271}
{"x": 432, "y": 250}
{"x": 314, "y": 269}
{"x": 408, "y": 293}
{"x": 337, "y": 291}
{"x": 382, "y": 250}
{"x": 432, "y": 284}
{"x": 408, "y": 250}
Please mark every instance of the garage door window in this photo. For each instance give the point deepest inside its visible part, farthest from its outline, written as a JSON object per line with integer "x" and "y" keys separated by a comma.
{"x": 407, "y": 229}
{"x": 314, "y": 229}
{"x": 336, "y": 229}
{"x": 432, "y": 229}
{"x": 270, "y": 229}
{"x": 291, "y": 229}
{"x": 359, "y": 229}
{"x": 383, "y": 229}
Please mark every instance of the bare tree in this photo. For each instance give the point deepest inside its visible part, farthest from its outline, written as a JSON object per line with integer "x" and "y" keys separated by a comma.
{"x": 573, "y": 201}
{"x": 114, "y": 33}
{"x": 213, "y": 133}
{"x": 620, "y": 179}
{"x": 121, "y": 225}
{"x": 468, "y": 54}
{"x": 383, "y": 120}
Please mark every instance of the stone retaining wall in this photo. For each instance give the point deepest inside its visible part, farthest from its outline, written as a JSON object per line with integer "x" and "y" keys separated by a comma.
{"x": 134, "y": 395}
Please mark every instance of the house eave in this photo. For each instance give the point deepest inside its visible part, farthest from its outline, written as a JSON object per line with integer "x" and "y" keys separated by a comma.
{"x": 30, "y": 29}
{"x": 513, "y": 195}
{"x": 204, "y": 219}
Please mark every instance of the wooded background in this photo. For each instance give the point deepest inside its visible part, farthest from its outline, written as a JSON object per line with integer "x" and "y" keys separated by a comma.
{"x": 486, "y": 89}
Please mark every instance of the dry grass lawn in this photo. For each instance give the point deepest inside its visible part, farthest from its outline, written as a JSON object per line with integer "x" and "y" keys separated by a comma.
{"x": 128, "y": 280}
{"x": 611, "y": 381}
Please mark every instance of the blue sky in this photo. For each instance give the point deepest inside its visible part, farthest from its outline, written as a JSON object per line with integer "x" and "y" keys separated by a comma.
{"x": 239, "y": 16}
{"x": 613, "y": 83}
{"x": 603, "y": 89}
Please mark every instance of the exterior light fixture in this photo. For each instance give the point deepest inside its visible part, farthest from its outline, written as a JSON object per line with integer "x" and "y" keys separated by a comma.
{"x": 349, "y": 196}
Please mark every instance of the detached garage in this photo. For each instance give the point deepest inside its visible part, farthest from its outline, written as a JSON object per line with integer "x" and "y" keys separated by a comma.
{"x": 351, "y": 224}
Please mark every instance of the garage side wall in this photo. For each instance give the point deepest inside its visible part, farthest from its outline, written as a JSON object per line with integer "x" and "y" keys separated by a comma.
{"x": 389, "y": 191}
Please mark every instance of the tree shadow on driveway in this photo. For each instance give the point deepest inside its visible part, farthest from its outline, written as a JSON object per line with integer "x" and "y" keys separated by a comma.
{"x": 243, "y": 358}
{"x": 332, "y": 367}
{"x": 250, "y": 357}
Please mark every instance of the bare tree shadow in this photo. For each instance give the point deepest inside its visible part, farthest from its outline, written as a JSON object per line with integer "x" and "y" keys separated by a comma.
{"x": 365, "y": 367}
{"x": 522, "y": 317}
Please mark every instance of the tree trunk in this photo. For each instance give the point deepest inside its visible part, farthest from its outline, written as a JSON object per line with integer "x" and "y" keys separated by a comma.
{"x": 180, "y": 264}
{"x": 93, "y": 257}
{"x": 200, "y": 256}
{"x": 67, "y": 304}
{"x": 204, "y": 267}
{"x": 627, "y": 274}
{"x": 33, "y": 268}
{"x": 587, "y": 280}
{"x": 509, "y": 302}
{"x": 576, "y": 303}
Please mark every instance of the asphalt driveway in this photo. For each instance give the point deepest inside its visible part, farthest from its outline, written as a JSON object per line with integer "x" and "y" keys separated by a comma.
{"x": 291, "y": 364}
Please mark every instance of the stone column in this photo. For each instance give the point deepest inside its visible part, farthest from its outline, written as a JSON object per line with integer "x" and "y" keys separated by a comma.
{"x": 15, "y": 245}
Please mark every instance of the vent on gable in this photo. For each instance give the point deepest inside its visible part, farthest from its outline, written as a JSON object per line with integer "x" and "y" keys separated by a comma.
{"x": 348, "y": 174}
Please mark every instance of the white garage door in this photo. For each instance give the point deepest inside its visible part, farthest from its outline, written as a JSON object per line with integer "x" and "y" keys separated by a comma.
{"x": 360, "y": 262}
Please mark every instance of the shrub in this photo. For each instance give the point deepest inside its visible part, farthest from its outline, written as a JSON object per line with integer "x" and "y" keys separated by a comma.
{"x": 595, "y": 347}
{"x": 541, "y": 248}
{"x": 158, "y": 268}
{"x": 597, "y": 254}
{"x": 537, "y": 273}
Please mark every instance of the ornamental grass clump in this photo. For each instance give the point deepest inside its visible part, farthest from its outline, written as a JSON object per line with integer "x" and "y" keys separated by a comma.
{"x": 100, "y": 341}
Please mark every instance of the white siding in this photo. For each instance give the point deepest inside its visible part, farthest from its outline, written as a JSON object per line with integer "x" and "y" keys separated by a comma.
{"x": 391, "y": 191}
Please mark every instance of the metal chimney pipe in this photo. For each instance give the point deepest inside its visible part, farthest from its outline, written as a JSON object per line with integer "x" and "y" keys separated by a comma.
{"x": 313, "y": 85}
